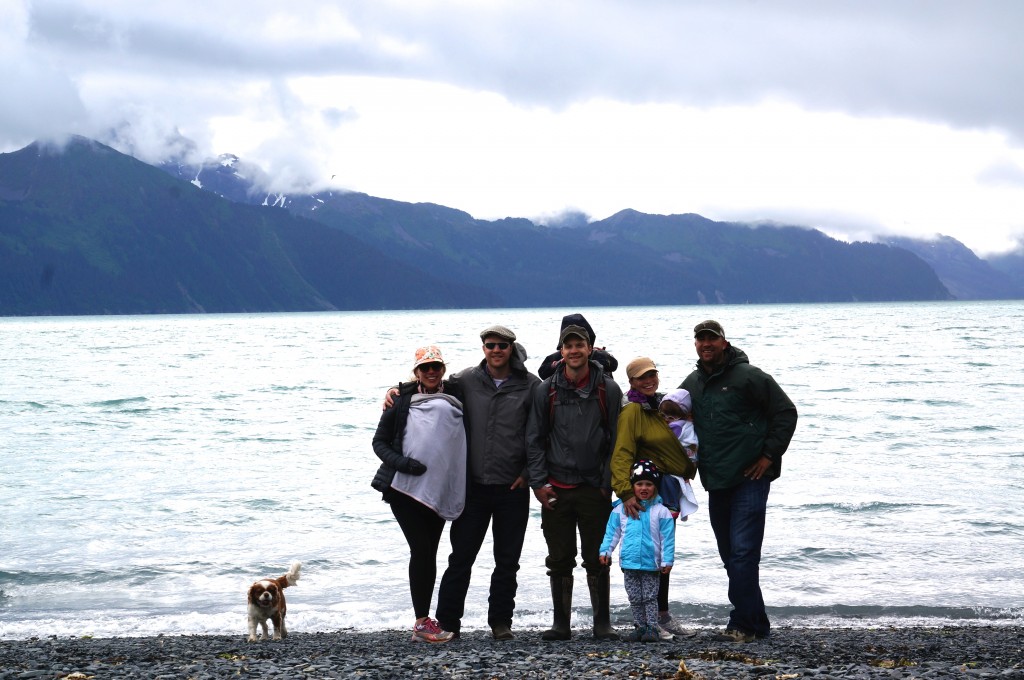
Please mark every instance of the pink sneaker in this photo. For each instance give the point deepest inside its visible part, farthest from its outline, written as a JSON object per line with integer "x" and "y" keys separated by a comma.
{"x": 427, "y": 630}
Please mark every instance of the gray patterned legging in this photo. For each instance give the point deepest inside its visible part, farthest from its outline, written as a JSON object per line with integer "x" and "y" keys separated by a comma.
{"x": 642, "y": 591}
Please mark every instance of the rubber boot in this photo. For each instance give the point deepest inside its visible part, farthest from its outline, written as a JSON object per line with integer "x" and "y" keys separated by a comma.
{"x": 561, "y": 598}
{"x": 600, "y": 594}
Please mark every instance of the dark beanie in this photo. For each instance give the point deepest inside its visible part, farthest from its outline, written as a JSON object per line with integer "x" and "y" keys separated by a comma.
{"x": 577, "y": 320}
{"x": 645, "y": 469}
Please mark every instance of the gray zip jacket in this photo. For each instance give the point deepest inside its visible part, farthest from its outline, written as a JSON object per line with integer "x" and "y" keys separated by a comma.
{"x": 496, "y": 422}
{"x": 570, "y": 440}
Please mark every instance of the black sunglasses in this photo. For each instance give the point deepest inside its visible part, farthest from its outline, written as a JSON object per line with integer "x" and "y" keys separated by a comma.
{"x": 499, "y": 345}
{"x": 431, "y": 366}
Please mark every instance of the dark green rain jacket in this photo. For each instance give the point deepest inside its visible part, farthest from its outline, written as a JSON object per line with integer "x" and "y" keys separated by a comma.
{"x": 740, "y": 414}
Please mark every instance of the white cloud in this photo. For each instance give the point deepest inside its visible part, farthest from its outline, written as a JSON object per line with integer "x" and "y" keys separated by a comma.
{"x": 853, "y": 117}
{"x": 40, "y": 99}
{"x": 1002, "y": 172}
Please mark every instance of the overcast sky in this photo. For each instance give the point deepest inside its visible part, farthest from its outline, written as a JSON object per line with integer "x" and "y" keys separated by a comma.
{"x": 854, "y": 117}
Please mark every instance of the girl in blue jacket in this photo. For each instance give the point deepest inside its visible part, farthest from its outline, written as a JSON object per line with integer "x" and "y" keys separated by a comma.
{"x": 648, "y": 548}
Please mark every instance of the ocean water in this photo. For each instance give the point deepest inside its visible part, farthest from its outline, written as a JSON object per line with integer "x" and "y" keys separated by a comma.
{"x": 152, "y": 467}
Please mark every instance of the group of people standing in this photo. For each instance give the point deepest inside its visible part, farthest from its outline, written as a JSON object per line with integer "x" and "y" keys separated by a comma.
{"x": 470, "y": 449}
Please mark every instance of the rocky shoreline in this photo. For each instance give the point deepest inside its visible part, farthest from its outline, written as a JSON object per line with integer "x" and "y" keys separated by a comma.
{"x": 947, "y": 652}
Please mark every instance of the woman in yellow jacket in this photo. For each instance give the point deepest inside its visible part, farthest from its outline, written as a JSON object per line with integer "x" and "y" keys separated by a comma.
{"x": 643, "y": 433}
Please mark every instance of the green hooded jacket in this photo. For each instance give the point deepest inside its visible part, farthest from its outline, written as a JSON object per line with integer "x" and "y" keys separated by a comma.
{"x": 740, "y": 414}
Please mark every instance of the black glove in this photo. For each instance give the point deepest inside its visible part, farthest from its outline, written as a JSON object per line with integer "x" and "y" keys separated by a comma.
{"x": 411, "y": 466}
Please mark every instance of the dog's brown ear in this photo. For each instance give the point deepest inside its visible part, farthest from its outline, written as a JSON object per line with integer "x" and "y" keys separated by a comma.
{"x": 251, "y": 596}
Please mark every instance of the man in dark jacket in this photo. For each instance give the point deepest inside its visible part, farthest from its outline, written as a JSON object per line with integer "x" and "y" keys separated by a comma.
{"x": 744, "y": 422}
{"x": 570, "y": 435}
{"x": 497, "y": 397}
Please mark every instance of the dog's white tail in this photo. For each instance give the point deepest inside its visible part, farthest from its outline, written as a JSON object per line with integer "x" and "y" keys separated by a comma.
{"x": 293, "y": 573}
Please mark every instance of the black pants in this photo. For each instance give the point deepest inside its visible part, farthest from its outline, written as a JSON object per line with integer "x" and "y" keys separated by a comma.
{"x": 507, "y": 512}
{"x": 584, "y": 509}
{"x": 422, "y": 528}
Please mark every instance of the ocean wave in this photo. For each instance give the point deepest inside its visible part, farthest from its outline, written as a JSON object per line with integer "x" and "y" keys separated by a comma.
{"x": 874, "y": 615}
{"x": 829, "y": 555}
{"x": 26, "y": 404}
{"x": 862, "y": 507}
{"x": 108, "y": 403}
{"x": 994, "y": 528}
{"x": 340, "y": 616}
{"x": 12, "y": 580}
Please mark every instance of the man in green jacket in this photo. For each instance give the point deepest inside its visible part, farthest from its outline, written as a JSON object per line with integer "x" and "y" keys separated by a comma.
{"x": 744, "y": 422}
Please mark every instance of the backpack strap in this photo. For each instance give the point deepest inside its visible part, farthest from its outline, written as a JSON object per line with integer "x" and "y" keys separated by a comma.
{"x": 602, "y": 401}
{"x": 552, "y": 393}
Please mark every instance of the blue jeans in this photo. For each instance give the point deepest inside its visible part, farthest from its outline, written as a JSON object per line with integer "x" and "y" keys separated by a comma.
{"x": 507, "y": 512}
{"x": 737, "y": 518}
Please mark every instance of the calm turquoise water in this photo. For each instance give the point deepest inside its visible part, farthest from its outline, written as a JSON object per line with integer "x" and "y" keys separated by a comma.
{"x": 153, "y": 467}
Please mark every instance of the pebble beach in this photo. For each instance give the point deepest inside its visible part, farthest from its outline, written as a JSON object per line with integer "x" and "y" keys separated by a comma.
{"x": 947, "y": 652}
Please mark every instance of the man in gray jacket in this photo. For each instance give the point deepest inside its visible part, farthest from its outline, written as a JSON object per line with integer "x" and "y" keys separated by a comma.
{"x": 569, "y": 444}
{"x": 496, "y": 396}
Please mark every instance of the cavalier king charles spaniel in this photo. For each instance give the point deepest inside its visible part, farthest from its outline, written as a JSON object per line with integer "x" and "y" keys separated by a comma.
{"x": 266, "y": 601}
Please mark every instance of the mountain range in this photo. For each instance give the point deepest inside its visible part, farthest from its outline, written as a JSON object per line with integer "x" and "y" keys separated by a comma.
{"x": 85, "y": 229}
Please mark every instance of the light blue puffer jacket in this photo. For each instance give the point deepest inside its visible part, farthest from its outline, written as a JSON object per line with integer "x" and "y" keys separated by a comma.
{"x": 648, "y": 542}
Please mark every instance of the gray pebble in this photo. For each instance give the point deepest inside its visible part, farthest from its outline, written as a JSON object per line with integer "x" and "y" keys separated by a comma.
{"x": 821, "y": 654}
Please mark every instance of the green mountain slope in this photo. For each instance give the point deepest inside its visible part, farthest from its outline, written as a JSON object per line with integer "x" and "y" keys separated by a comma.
{"x": 634, "y": 258}
{"x": 87, "y": 230}
{"x": 629, "y": 258}
{"x": 726, "y": 262}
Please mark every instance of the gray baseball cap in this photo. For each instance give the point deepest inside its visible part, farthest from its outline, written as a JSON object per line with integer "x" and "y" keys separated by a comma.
{"x": 709, "y": 326}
